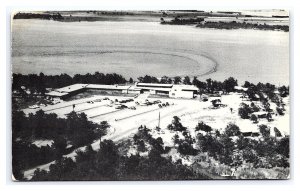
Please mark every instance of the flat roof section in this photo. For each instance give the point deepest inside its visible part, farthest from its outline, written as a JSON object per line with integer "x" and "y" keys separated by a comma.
{"x": 71, "y": 88}
{"x": 154, "y": 85}
{"x": 185, "y": 87}
{"x": 111, "y": 87}
{"x": 56, "y": 94}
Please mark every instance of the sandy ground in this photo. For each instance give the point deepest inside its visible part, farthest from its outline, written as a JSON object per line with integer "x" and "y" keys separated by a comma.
{"x": 124, "y": 123}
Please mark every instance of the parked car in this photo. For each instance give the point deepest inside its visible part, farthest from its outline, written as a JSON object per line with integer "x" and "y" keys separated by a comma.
{"x": 34, "y": 107}
{"x": 132, "y": 107}
{"x": 56, "y": 101}
{"x": 149, "y": 103}
{"x": 106, "y": 98}
{"x": 159, "y": 105}
{"x": 121, "y": 107}
{"x": 90, "y": 102}
{"x": 157, "y": 101}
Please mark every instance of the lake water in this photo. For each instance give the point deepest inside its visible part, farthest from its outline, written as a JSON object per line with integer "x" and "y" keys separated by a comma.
{"x": 134, "y": 49}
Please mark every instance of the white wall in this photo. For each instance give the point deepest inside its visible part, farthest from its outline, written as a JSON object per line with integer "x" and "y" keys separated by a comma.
{"x": 181, "y": 94}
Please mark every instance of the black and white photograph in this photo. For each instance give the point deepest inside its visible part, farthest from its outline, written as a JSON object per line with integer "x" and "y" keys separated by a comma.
{"x": 150, "y": 95}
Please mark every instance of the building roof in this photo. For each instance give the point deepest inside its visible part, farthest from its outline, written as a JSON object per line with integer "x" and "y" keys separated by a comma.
{"x": 134, "y": 88}
{"x": 260, "y": 113}
{"x": 56, "y": 94}
{"x": 155, "y": 85}
{"x": 240, "y": 88}
{"x": 185, "y": 87}
{"x": 71, "y": 88}
{"x": 111, "y": 87}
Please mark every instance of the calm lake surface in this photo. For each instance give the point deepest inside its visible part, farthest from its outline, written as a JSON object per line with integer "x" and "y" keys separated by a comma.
{"x": 134, "y": 49}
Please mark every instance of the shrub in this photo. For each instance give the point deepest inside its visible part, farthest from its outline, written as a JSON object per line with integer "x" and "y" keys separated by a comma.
{"x": 279, "y": 111}
{"x": 232, "y": 130}
{"x": 277, "y": 132}
{"x": 254, "y": 107}
{"x": 244, "y": 111}
{"x": 176, "y": 125}
{"x": 254, "y": 118}
{"x": 185, "y": 148}
{"x": 264, "y": 130}
{"x": 203, "y": 127}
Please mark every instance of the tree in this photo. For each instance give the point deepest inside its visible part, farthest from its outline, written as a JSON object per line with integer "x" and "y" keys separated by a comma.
{"x": 185, "y": 148}
{"x": 107, "y": 159}
{"x": 148, "y": 79}
{"x": 254, "y": 107}
{"x": 247, "y": 84}
{"x": 254, "y": 118}
{"x": 41, "y": 84}
{"x": 203, "y": 127}
{"x": 59, "y": 145}
{"x": 165, "y": 80}
{"x": 176, "y": 125}
{"x": 187, "y": 80}
{"x": 244, "y": 111}
{"x": 195, "y": 81}
{"x": 226, "y": 150}
{"x": 232, "y": 130}
{"x": 277, "y": 132}
{"x": 177, "y": 80}
{"x": 284, "y": 146}
{"x": 264, "y": 130}
{"x": 141, "y": 147}
{"x": 101, "y": 130}
{"x": 229, "y": 84}
{"x": 280, "y": 110}
{"x": 130, "y": 80}
{"x": 283, "y": 91}
{"x": 266, "y": 106}
{"x": 176, "y": 139}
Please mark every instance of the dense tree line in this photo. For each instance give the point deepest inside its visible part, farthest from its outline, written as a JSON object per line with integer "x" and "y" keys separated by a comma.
{"x": 39, "y": 83}
{"x": 208, "y": 86}
{"x": 229, "y": 147}
{"x": 242, "y": 25}
{"x": 46, "y": 16}
{"x": 75, "y": 131}
{"x": 267, "y": 152}
{"x": 262, "y": 91}
{"x": 109, "y": 164}
{"x": 183, "y": 21}
{"x": 211, "y": 86}
{"x": 265, "y": 93}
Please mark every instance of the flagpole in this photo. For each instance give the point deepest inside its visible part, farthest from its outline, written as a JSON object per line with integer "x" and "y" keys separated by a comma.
{"x": 158, "y": 119}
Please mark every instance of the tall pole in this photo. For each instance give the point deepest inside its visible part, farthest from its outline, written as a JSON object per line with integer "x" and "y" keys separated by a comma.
{"x": 158, "y": 119}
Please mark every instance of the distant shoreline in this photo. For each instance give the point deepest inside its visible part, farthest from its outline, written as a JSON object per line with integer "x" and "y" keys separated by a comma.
{"x": 199, "y": 19}
{"x": 201, "y": 23}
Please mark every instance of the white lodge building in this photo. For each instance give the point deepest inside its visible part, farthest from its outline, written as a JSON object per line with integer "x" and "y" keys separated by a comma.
{"x": 170, "y": 90}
